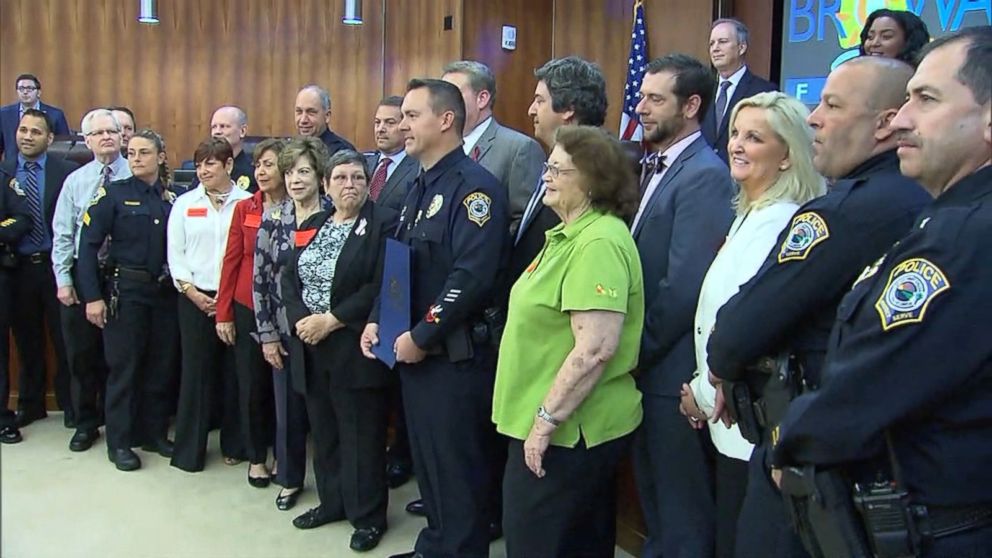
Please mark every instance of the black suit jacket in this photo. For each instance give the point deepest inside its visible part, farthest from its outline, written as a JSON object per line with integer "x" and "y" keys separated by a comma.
{"x": 10, "y": 119}
{"x": 531, "y": 242}
{"x": 357, "y": 276}
{"x": 396, "y": 188}
{"x": 56, "y": 170}
{"x": 749, "y": 85}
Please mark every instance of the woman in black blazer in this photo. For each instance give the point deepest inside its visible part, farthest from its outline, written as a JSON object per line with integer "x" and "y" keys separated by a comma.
{"x": 328, "y": 289}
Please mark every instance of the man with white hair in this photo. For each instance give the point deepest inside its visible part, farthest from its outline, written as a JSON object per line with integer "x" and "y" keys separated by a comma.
{"x": 83, "y": 340}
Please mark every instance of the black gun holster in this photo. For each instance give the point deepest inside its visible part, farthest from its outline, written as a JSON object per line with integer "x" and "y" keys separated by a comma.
{"x": 821, "y": 509}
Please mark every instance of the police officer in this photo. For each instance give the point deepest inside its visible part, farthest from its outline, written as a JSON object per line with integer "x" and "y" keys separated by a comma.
{"x": 136, "y": 308}
{"x": 15, "y": 222}
{"x": 788, "y": 308}
{"x": 909, "y": 369}
{"x": 456, "y": 221}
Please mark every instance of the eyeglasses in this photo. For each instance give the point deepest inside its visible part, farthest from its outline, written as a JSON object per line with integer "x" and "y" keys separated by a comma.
{"x": 106, "y": 132}
{"x": 555, "y": 171}
{"x": 27, "y": 88}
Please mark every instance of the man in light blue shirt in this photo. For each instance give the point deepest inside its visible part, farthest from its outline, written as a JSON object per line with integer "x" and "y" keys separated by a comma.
{"x": 83, "y": 339}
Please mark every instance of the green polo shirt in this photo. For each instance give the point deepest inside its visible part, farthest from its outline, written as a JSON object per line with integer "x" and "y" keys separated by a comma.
{"x": 589, "y": 264}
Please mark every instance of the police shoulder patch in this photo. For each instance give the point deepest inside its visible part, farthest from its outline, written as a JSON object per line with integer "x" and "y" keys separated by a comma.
{"x": 243, "y": 182}
{"x": 478, "y": 206}
{"x": 807, "y": 230}
{"x": 16, "y": 187}
{"x": 912, "y": 284}
{"x": 100, "y": 193}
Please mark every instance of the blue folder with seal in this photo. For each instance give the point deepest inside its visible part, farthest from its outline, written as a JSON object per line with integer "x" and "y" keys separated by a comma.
{"x": 394, "y": 300}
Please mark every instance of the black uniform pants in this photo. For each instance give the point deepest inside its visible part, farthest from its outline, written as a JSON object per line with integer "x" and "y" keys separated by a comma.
{"x": 36, "y": 309}
{"x": 571, "y": 512}
{"x": 399, "y": 449}
{"x": 254, "y": 387}
{"x": 87, "y": 364}
{"x": 7, "y": 417}
{"x": 142, "y": 345}
{"x": 291, "y": 429}
{"x": 205, "y": 359}
{"x": 449, "y": 420}
{"x": 730, "y": 480}
{"x": 763, "y": 527}
{"x": 349, "y": 447}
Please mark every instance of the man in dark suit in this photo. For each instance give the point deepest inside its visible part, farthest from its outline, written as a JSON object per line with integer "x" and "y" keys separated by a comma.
{"x": 681, "y": 222}
{"x": 313, "y": 118}
{"x": 569, "y": 91}
{"x": 35, "y": 307}
{"x": 392, "y": 170}
{"x": 29, "y": 97}
{"x": 513, "y": 158}
{"x": 728, "y": 45}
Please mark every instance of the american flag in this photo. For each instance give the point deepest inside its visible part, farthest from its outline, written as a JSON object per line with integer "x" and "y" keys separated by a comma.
{"x": 630, "y": 124}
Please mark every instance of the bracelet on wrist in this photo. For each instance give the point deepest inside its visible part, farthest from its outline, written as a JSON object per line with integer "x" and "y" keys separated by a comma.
{"x": 544, "y": 415}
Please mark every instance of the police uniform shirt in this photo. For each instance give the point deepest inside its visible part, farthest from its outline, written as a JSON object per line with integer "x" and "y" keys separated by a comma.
{"x": 455, "y": 219}
{"x": 15, "y": 215}
{"x": 334, "y": 142}
{"x": 197, "y": 237}
{"x": 77, "y": 192}
{"x": 134, "y": 214}
{"x": 790, "y": 303}
{"x": 911, "y": 355}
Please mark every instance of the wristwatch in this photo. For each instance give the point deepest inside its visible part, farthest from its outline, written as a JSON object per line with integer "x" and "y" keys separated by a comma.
{"x": 544, "y": 415}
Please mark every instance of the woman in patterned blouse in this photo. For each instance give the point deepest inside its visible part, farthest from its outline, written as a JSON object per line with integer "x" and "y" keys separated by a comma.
{"x": 329, "y": 286}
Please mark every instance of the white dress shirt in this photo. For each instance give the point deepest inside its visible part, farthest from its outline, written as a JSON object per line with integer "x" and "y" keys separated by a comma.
{"x": 752, "y": 236}
{"x": 67, "y": 222}
{"x": 670, "y": 155}
{"x": 197, "y": 237}
{"x": 396, "y": 159}
{"x": 473, "y": 137}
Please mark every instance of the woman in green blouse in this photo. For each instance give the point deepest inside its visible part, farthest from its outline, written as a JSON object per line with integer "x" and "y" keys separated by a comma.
{"x": 564, "y": 392}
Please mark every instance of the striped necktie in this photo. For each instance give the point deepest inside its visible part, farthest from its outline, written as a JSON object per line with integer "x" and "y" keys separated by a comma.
{"x": 37, "y": 233}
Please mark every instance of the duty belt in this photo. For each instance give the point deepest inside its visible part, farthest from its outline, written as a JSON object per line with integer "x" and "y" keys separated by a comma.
{"x": 936, "y": 522}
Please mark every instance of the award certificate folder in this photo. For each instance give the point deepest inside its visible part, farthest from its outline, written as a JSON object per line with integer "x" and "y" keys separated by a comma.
{"x": 394, "y": 300}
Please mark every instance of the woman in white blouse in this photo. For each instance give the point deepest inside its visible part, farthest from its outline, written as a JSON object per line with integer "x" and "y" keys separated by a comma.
{"x": 771, "y": 160}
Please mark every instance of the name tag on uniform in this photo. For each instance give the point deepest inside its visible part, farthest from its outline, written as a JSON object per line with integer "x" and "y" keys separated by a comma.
{"x": 133, "y": 203}
{"x": 196, "y": 212}
{"x": 304, "y": 237}
{"x": 253, "y": 221}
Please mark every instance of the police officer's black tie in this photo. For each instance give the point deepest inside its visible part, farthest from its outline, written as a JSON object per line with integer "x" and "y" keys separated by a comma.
{"x": 37, "y": 234}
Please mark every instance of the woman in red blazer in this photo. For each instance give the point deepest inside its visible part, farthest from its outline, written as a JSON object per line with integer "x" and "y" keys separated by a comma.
{"x": 236, "y": 323}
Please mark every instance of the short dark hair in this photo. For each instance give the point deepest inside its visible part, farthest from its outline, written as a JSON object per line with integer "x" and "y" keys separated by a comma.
{"x": 444, "y": 97}
{"x": 39, "y": 114}
{"x": 577, "y": 85}
{"x": 691, "y": 78}
{"x": 480, "y": 77}
{"x": 125, "y": 110}
{"x": 976, "y": 70}
{"x": 391, "y": 101}
{"x": 218, "y": 148}
{"x": 346, "y": 157}
{"x": 606, "y": 167}
{"x": 311, "y": 148}
{"x": 32, "y": 77}
{"x": 915, "y": 30}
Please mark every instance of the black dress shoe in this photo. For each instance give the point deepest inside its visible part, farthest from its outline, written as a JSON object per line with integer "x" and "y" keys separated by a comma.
{"x": 495, "y": 531}
{"x": 366, "y": 538}
{"x": 397, "y": 474}
{"x": 83, "y": 440}
{"x": 10, "y": 435}
{"x": 125, "y": 459}
{"x": 25, "y": 418}
{"x": 259, "y": 482}
{"x": 68, "y": 421}
{"x": 413, "y": 554}
{"x": 288, "y": 501}
{"x": 162, "y": 447}
{"x": 314, "y": 517}
{"x": 417, "y": 508}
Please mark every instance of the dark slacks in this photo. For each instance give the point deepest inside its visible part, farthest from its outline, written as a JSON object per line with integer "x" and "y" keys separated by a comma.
{"x": 205, "y": 358}
{"x": 349, "y": 447}
{"x": 88, "y": 371}
{"x": 142, "y": 343}
{"x": 291, "y": 429}
{"x": 36, "y": 309}
{"x": 399, "y": 449}
{"x": 571, "y": 512}
{"x": 731, "y": 483}
{"x": 7, "y": 417}
{"x": 448, "y": 414}
{"x": 254, "y": 377}
{"x": 673, "y": 465}
{"x": 763, "y": 527}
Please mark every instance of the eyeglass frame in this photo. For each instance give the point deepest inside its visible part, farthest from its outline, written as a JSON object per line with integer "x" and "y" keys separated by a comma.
{"x": 554, "y": 172}
{"x": 104, "y": 132}
{"x": 26, "y": 88}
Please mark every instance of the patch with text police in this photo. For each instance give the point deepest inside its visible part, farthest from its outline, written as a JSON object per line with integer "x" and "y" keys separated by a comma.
{"x": 912, "y": 284}
{"x": 807, "y": 230}
{"x": 478, "y": 205}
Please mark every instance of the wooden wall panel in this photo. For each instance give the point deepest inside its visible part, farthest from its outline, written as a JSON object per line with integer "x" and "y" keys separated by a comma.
{"x": 484, "y": 21}
{"x": 416, "y": 43}
{"x": 759, "y": 17}
{"x": 253, "y": 53}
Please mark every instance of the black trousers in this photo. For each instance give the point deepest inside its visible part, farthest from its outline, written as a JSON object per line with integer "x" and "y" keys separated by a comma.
{"x": 7, "y": 417}
{"x": 205, "y": 359}
{"x": 291, "y": 429}
{"x": 88, "y": 370}
{"x": 142, "y": 342}
{"x": 571, "y": 512}
{"x": 399, "y": 449}
{"x": 731, "y": 483}
{"x": 349, "y": 447}
{"x": 763, "y": 527}
{"x": 254, "y": 379}
{"x": 673, "y": 465}
{"x": 36, "y": 309}
{"x": 448, "y": 415}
